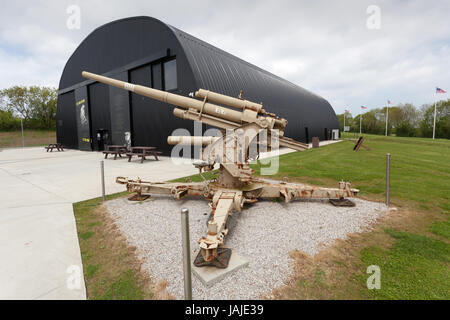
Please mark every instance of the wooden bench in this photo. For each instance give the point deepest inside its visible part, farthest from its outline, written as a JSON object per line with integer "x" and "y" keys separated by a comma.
{"x": 56, "y": 146}
{"x": 143, "y": 152}
{"x": 115, "y": 150}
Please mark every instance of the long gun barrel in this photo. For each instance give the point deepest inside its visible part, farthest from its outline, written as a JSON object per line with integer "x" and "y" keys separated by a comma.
{"x": 170, "y": 98}
{"x": 229, "y": 101}
{"x": 209, "y": 113}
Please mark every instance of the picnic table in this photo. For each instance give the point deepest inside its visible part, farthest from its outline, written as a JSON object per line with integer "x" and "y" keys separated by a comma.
{"x": 142, "y": 152}
{"x": 57, "y": 146}
{"x": 116, "y": 150}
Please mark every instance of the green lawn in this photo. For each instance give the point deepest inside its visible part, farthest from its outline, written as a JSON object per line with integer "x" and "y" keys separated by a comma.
{"x": 412, "y": 251}
{"x": 420, "y": 168}
{"x": 416, "y": 267}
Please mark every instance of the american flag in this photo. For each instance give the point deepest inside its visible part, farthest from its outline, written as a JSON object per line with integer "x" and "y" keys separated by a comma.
{"x": 347, "y": 111}
{"x": 389, "y": 102}
{"x": 439, "y": 90}
{"x": 362, "y": 107}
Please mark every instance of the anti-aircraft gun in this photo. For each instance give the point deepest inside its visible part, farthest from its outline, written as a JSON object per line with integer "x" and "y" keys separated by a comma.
{"x": 245, "y": 132}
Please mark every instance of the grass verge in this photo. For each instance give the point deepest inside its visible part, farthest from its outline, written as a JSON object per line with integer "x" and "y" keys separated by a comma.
{"x": 111, "y": 269}
{"x": 13, "y": 139}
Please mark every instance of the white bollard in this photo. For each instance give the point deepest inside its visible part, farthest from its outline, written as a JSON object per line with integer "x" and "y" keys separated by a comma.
{"x": 186, "y": 254}
{"x": 102, "y": 169}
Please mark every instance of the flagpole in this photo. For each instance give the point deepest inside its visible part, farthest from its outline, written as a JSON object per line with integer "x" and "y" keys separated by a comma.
{"x": 344, "y": 121}
{"x": 434, "y": 122}
{"x": 387, "y": 112}
{"x": 360, "y": 124}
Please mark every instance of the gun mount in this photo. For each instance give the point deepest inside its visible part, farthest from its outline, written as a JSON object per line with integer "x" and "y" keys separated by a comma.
{"x": 247, "y": 131}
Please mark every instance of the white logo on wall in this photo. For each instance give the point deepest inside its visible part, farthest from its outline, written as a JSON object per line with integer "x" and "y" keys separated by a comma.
{"x": 128, "y": 139}
{"x": 83, "y": 118}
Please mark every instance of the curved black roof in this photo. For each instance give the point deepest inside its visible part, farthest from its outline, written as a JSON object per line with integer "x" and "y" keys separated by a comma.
{"x": 122, "y": 42}
{"x": 217, "y": 70}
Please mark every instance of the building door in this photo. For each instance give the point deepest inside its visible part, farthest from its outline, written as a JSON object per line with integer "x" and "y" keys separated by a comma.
{"x": 102, "y": 138}
{"x": 66, "y": 121}
{"x": 100, "y": 115}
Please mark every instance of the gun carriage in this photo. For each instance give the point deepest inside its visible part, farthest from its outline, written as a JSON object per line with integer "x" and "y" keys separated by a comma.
{"x": 247, "y": 130}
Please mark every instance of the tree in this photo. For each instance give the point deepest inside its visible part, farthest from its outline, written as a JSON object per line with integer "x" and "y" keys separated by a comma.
{"x": 442, "y": 120}
{"x": 372, "y": 123}
{"x": 8, "y": 121}
{"x": 407, "y": 125}
{"x": 43, "y": 102}
{"x": 16, "y": 101}
{"x": 404, "y": 120}
{"x": 36, "y": 105}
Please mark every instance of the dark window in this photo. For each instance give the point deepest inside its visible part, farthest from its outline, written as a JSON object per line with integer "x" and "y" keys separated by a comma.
{"x": 170, "y": 75}
{"x": 156, "y": 73}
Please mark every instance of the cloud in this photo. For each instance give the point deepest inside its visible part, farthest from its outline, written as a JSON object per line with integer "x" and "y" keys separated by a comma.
{"x": 323, "y": 46}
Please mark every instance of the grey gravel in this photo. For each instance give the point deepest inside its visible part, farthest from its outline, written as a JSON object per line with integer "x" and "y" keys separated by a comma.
{"x": 265, "y": 233}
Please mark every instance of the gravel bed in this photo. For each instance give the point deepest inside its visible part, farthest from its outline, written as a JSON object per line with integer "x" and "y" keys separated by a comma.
{"x": 265, "y": 234}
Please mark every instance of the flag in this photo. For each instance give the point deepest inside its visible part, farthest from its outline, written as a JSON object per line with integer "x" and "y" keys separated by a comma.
{"x": 439, "y": 90}
{"x": 389, "y": 102}
{"x": 347, "y": 111}
{"x": 362, "y": 107}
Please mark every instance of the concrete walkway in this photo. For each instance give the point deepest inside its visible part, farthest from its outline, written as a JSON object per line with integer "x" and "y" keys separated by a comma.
{"x": 39, "y": 249}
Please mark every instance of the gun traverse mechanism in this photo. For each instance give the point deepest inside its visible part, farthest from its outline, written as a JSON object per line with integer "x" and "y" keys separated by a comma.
{"x": 245, "y": 124}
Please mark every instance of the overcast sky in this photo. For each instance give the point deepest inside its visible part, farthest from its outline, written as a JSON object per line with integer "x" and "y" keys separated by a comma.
{"x": 332, "y": 48}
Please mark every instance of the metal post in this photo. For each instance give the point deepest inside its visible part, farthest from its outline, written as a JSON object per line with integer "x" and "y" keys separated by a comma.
{"x": 344, "y": 121}
{"x": 102, "y": 169}
{"x": 186, "y": 254}
{"x": 388, "y": 178}
{"x": 434, "y": 122}
{"x": 23, "y": 138}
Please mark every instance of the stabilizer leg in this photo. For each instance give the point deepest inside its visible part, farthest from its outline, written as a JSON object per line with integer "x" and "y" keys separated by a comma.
{"x": 220, "y": 261}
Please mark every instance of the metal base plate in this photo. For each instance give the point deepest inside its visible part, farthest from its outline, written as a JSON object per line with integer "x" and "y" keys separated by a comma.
{"x": 221, "y": 261}
{"x": 342, "y": 203}
{"x": 138, "y": 197}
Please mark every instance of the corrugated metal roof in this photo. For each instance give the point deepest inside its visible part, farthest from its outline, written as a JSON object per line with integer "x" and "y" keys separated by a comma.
{"x": 220, "y": 71}
{"x": 124, "y": 44}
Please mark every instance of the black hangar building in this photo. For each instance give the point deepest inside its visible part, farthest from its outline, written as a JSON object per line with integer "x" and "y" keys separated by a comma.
{"x": 146, "y": 51}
